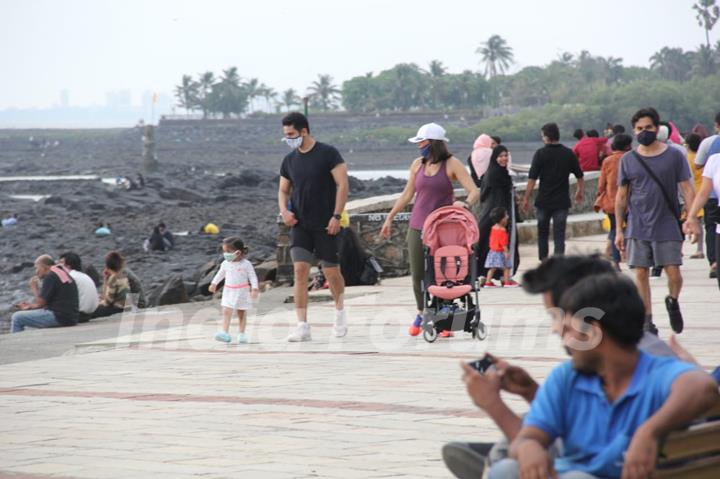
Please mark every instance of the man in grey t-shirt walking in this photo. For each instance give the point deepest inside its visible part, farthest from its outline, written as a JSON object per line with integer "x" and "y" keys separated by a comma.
{"x": 650, "y": 178}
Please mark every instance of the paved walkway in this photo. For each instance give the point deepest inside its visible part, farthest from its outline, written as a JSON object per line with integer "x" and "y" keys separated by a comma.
{"x": 157, "y": 397}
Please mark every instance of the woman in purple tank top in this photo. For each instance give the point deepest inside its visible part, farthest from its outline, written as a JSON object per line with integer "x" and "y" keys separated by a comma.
{"x": 431, "y": 182}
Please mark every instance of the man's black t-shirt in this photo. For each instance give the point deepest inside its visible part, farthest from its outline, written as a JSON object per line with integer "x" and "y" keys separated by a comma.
{"x": 61, "y": 299}
{"x": 313, "y": 186}
{"x": 552, "y": 165}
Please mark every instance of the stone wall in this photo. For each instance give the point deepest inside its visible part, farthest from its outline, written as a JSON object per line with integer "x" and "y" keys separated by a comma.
{"x": 367, "y": 216}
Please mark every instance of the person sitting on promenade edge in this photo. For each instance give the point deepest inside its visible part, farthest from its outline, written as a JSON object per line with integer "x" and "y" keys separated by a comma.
{"x": 611, "y": 403}
{"x": 54, "y": 304}
{"x": 552, "y": 165}
{"x": 648, "y": 184}
{"x": 115, "y": 286}
{"x": 551, "y": 279}
{"x": 87, "y": 291}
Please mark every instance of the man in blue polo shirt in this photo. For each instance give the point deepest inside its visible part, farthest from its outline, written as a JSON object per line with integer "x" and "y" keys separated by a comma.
{"x": 611, "y": 403}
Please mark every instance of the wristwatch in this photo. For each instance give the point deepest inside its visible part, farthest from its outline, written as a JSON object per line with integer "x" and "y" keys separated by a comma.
{"x": 337, "y": 217}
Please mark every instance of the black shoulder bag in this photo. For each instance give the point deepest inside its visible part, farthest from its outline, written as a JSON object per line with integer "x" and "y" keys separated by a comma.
{"x": 672, "y": 205}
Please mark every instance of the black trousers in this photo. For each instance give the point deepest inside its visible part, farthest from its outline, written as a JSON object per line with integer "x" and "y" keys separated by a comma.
{"x": 103, "y": 311}
{"x": 711, "y": 217}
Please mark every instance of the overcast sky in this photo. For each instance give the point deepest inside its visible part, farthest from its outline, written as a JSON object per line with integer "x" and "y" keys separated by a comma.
{"x": 90, "y": 47}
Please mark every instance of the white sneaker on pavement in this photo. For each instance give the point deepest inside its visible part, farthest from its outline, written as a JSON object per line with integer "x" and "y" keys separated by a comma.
{"x": 301, "y": 333}
{"x": 340, "y": 327}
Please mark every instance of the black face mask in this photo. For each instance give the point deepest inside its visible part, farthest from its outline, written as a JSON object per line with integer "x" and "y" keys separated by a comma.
{"x": 647, "y": 138}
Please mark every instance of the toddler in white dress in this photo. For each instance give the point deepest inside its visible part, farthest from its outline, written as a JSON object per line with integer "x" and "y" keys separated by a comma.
{"x": 241, "y": 287}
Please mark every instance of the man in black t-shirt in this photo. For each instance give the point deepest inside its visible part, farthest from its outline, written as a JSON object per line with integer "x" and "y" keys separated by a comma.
{"x": 54, "y": 304}
{"x": 552, "y": 165}
{"x": 312, "y": 195}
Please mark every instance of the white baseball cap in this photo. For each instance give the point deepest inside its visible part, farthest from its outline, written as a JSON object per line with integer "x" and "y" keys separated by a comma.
{"x": 429, "y": 131}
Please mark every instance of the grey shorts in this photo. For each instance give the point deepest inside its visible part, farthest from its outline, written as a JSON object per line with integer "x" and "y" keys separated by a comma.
{"x": 299, "y": 254}
{"x": 646, "y": 254}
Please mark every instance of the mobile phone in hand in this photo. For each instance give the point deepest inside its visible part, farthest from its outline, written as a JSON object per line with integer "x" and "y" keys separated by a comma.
{"x": 481, "y": 365}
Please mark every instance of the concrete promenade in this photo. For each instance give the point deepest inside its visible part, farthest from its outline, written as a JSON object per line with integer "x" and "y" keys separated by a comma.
{"x": 152, "y": 395}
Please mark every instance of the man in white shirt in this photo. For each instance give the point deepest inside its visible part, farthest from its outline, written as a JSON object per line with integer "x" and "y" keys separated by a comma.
{"x": 709, "y": 147}
{"x": 87, "y": 291}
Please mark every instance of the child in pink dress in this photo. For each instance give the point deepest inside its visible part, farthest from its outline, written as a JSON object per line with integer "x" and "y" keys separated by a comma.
{"x": 241, "y": 287}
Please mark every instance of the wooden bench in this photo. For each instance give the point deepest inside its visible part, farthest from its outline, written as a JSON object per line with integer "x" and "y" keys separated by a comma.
{"x": 692, "y": 453}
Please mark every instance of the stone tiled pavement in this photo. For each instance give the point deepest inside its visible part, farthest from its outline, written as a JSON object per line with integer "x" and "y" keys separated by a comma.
{"x": 172, "y": 403}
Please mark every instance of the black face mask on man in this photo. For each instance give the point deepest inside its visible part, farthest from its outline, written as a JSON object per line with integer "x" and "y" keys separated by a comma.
{"x": 646, "y": 138}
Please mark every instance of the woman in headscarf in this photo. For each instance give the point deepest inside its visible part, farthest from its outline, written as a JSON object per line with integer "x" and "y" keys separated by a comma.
{"x": 479, "y": 159}
{"x": 496, "y": 189}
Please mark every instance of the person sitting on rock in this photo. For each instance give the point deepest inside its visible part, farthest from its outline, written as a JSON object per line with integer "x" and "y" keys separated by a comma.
{"x": 167, "y": 236}
{"x": 87, "y": 292}
{"x": 161, "y": 239}
{"x": 115, "y": 286}
{"x": 55, "y": 303}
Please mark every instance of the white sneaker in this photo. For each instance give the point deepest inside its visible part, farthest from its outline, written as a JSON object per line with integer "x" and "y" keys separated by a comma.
{"x": 340, "y": 327}
{"x": 301, "y": 333}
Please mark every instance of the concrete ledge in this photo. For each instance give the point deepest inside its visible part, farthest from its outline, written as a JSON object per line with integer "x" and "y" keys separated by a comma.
{"x": 586, "y": 224}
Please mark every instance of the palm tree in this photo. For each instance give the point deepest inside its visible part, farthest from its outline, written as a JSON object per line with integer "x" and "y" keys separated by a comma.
{"x": 205, "y": 84}
{"x": 566, "y": 58}
{"x": 672, "y": 63}
{"x": 704, "y": 61}
{"x": 707, "y": 16}
{"x": 229, "y": 96}
{"x": 324, "y": 93}
{"x": 496, "y": 55}
{"x": 614, "y": 68}
{"x": 187, "y": 93}
{"x": 253, "y": 90}
{"x": 436, "y": 69}
{"x": 269, "y": 94}
{"x": 289, "y": 99}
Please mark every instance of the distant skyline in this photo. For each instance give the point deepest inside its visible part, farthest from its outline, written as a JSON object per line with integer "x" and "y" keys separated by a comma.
{"x": 77, "y": 51}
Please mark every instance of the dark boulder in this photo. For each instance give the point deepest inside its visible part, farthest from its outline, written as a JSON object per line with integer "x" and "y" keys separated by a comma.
{"x": 266, "y": 271}
{"x": 172, "y": 291}
{"x": 355, "y": 184}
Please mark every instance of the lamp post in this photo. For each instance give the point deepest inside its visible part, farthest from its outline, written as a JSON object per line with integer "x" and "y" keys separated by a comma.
{"x": 305, "y": 104}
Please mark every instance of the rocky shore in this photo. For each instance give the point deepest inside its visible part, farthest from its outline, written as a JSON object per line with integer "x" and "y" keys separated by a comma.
{"x": 239, "y": 196}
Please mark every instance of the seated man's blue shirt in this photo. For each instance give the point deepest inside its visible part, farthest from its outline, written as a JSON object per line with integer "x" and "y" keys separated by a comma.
{"x": 595, "y": 432}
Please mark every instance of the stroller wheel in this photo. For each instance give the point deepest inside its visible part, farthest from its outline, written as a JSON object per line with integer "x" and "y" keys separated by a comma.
{"x": 430, "y": 335}
{"x": 480, "y": 331}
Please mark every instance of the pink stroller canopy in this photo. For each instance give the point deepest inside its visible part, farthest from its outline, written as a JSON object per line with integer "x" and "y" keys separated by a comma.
{"x": 450, "y": 225}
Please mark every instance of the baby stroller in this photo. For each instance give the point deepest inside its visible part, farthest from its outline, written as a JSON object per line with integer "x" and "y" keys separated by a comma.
{"x": 450, "y": 235}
